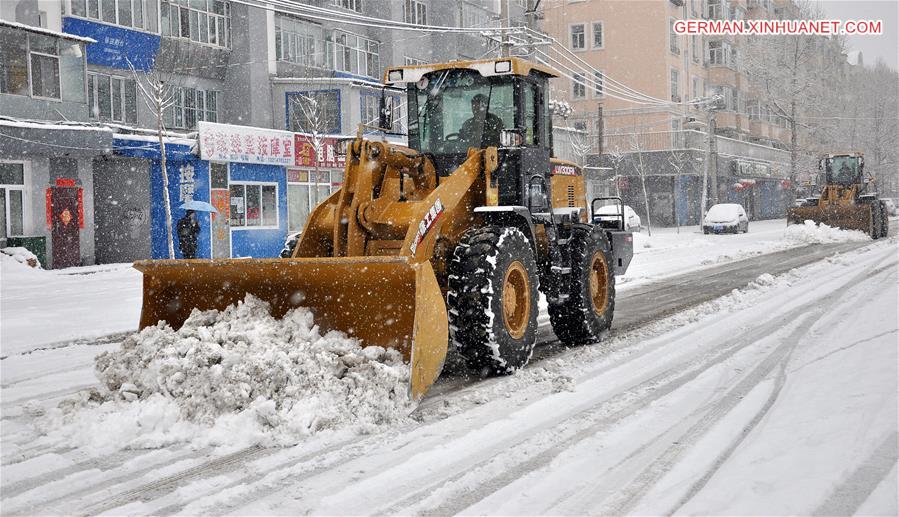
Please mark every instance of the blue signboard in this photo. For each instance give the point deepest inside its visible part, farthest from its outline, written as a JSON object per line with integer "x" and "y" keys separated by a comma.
{"x": 115, "y": 46}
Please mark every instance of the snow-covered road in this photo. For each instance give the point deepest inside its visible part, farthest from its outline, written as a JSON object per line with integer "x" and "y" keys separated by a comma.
{"x": 777, "y": 398}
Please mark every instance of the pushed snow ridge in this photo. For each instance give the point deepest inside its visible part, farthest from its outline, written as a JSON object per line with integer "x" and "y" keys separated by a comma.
{"x": 240, "y": 376}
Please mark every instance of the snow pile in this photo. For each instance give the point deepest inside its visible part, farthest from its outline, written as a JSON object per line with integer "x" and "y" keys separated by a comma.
{"x": 239, "y": 377}
{"x": 811, "y": 233}
{"x": 22, "y": 256}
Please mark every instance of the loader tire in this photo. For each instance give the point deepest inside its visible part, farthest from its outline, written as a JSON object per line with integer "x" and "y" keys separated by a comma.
{"x": 876, "y": 220}
{"x": 492, "y": 299}
{"x": 884, "y": 221}
{"x": 587, "y": 311}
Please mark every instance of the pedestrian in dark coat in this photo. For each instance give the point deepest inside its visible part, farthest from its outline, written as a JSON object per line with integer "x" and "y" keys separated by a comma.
{"x": 188, "y": 231}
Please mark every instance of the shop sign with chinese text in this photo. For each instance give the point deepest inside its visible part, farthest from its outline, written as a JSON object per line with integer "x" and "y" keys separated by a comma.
{"x": 227, "y": 143}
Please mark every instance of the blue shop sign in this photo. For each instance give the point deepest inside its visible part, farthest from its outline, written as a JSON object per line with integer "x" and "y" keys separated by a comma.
{"x": 115, "y": 46}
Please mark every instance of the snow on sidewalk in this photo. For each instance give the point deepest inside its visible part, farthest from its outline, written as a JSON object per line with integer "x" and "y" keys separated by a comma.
{"x": 40, "y": 307}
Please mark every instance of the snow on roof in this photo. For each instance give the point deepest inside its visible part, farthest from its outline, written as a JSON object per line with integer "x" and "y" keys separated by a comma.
{"x": 155, "y": 139}
{"x": 48, "y": 32}
{"x": 36, "y": 124}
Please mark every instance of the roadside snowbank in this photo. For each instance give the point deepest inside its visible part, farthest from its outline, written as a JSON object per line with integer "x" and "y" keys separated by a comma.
{"x": 234, "y": 377}
{"x": 811, "y": 233}
{"x": 22, "y": 256}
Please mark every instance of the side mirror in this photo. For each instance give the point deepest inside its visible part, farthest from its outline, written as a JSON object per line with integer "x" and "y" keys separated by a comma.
{"x": 385, "y": 113}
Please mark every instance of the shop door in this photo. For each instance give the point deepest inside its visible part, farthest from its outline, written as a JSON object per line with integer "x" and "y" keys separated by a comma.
{"x": 64, "y": 231}
{"x": 221, "y": 229}
{"x": 220, "y": 223}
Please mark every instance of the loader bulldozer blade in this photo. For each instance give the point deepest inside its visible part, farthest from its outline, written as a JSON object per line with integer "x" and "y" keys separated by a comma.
{"x": 851, "y": 217}
{"x": 385, "y": 301}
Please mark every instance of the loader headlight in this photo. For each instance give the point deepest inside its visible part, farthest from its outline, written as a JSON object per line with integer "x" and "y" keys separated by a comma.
{"x": 502, "y": 67}
{"x": 510, "y": 138}
{"x": 394, "y": 76}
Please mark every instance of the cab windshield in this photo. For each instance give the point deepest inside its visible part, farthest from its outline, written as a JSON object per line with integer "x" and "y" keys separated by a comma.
{"x": 843, "y": 170}
{"x": 458, "y": 109}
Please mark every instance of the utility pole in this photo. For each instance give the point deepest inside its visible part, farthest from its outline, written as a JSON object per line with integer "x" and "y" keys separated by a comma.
{"x": 713, "y": 156}
{"x": 600, "y": 129}
{"x": 504, "y": 18}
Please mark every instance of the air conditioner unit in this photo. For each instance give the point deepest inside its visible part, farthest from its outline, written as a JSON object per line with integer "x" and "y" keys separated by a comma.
{"x": 675, "y": 98}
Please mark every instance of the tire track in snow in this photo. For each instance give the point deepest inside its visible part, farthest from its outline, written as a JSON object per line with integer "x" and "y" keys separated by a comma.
{"x": 532, "y": 463}
{"x": 848, "y": 497}
{"x": 779, "y": 359}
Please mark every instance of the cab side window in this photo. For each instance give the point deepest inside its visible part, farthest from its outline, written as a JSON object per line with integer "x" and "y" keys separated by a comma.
{"x": 532, "y": 128}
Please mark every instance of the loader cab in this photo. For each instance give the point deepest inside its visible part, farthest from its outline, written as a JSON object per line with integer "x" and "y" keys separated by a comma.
{"x": 844, "y": 170}
{"x": 499, "y": 103}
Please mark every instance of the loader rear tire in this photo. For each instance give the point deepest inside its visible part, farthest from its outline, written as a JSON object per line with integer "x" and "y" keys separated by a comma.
{"x": 587, "y": 311}
{"x": 876, "y": 220}
{"x": 492, "y": 299}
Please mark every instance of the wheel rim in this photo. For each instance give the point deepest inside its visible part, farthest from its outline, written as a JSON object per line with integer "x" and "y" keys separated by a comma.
{"x": 599, "y": 292}
{"x": 516, "y": 300}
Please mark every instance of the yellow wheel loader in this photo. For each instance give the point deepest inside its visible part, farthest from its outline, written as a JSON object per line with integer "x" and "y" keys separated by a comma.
{"x": 450, "y": 239}
{"x": 845, "y": 201}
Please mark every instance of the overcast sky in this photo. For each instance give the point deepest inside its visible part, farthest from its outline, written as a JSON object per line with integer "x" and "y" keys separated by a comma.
{"x": 885, "y": 46}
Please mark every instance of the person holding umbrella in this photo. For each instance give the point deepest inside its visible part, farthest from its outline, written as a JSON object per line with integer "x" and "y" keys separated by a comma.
{"x": 189, "y": 227}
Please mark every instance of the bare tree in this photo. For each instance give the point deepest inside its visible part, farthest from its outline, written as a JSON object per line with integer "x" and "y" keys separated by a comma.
{"x": 637, "y": 148}
{"x": 793, "y": 73}
{"x": 159, "y": 97}
{"x": 313, "y": 125}
{"x": 677, "y": 161}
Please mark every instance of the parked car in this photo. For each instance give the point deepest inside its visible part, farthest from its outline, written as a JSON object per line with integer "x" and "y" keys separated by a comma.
{"x": 725, "y": 217}
{"x": 892, "y": 207}
{"x": 632, "y": 221}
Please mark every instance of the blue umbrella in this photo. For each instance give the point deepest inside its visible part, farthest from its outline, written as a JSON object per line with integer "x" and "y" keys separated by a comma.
{"x": 199, "y": 206}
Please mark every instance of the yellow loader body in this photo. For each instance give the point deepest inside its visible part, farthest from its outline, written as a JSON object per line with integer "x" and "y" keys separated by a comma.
{"x": 362, "y": 265}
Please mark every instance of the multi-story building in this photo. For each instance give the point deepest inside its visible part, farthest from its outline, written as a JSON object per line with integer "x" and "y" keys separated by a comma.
{"x": 277, "y": 75}
{"x": 632, "y": 45}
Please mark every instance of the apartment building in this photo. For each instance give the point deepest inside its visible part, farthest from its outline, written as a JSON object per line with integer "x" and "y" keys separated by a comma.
{"x": 250, "y": 85}
{"x": 632, "y": 44}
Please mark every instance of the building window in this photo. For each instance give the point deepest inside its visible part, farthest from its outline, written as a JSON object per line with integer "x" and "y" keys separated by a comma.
{"x": 112, "y": 98}
{"x": 314, "y": 112}
{"x": 352, "y": 5}
{"x": 201, "y": 21}
{"x": 300, "y": 42}
{"x": 675, "y": 91}
{"x": 355, "y": 54}
{"x": 673, "y": 38}
{"x": 191, "y": 106}
{"x": 597, "y": 35}
{"x": 12, "y": 195}
{"x": 476, "y": 16}
{"x": 697, "y": 87}
{"x": 716, "y": 53}
{"x": 411, "y": 61}
{"x": 697, "y": 46}
{"x": 415, "y": 12}
{"x": 254, "y": 205}
{"x": 716, "y": 9}
{"x": 579, "y": 86}
{"x": 44, "y": 56}
{"x": 138, "y": 14}
{"x": 305, "y": 190}
{"x": 598, "y": 84}
{"x": 43, "y": 66}
{"x": 577, "y": 37}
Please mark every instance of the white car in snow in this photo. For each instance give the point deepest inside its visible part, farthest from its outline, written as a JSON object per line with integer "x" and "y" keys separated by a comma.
{"x": 725, "y": 217}
{"x": 632, "y": 221}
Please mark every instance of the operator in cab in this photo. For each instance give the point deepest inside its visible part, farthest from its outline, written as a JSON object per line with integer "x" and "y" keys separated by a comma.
{"x": 483, "y": 128}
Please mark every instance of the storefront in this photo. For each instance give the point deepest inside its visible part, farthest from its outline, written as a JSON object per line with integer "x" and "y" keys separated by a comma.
{"x": 313, "y": 178}
{"x": 248, "y": 186}
{"x": 46, "y": 192}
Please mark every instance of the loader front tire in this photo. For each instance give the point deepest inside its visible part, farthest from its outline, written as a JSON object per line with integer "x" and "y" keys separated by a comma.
{"x": 580, "y": 317}
{"x": 492, "y": 299}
